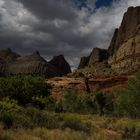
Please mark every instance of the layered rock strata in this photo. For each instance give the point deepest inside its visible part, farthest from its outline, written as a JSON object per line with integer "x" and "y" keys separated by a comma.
{"x": 124, "y": 49}
{"x": 123, "y": 54}
{"x": 14, "y": 64}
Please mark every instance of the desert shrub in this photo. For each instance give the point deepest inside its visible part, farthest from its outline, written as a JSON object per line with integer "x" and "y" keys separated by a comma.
{"x": 76, "y": 124}
{"x": 8, "y": 111}
{"x": 69, "y": 101}
{"x": 11, "y": 115}
{"x": 23, "y": 88}
{"x": 128, "y": 101}
{"x": 101, "y": 101}
{"x": 50, "y": 103}
{"x": 59, "y": 106}
{"x": 130, "y": 128}
{"x": 85, "y": 104}
{"x": 78, "y": 103}
{"x": 110, "y": 101}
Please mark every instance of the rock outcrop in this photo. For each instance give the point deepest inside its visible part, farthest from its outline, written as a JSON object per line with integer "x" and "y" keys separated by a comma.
{"x": 83, "y": 62}
{"x": 112, "y": 48}
{"x": 60, "y": 84}
{"x": 125, "y": 45}
{"x": 8, "y": 55}
{"x": 123, "y": 54}
{"x": 97, "y": 55}
{"x": 128, "y": 29}
{"x": 14, "y": 64}
{"x": 61, "y": 64}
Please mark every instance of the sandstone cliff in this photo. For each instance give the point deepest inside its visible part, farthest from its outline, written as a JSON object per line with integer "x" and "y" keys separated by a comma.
{"x": 128, "y": 29}
{"x": 125, "y": 45}
{"x": 14, "y": 64}
{"x": 97, "y": 55}
{"x": 123, "y": 54}
{"x": 83, "y": 62}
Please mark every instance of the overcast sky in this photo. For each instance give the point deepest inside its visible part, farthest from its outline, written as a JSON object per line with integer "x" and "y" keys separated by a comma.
{"x": 69, "y": 27}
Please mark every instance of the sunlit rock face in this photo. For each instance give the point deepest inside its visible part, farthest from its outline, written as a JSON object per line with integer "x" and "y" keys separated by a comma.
{"x": 124, "y": 49}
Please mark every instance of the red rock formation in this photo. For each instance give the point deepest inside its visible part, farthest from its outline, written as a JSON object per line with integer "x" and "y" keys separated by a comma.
{"x": 105, "y": 84}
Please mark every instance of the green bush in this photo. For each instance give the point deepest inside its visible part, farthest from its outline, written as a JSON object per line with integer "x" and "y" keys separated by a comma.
{"x": 69, "y": 101}
{"x": 128, "y": 101}
{"x": 11, "y": 115}
{"x": 101, "y": 101}
{"x": 23, "y": 88}
{"x": 78, "y": 103}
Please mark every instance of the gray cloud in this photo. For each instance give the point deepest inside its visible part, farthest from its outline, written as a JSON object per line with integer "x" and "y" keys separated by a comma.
{"x": 58, "y": 27}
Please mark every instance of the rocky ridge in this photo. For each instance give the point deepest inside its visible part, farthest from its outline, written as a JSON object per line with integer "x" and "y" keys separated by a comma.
{"x": 123, "y": 54}
{"x": 14, "y": 64}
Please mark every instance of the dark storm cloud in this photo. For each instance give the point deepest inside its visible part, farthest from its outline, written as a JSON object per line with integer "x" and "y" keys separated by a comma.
{"x": 58, "y": 27}
{"x": 48, "y": 9}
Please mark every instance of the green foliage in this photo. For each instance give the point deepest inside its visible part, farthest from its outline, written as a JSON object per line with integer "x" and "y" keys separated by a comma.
{"x": 12, "y": 115}
{"x": 76, "y": 124}
{"x": 110, "y": 99}
{"x": 101, "y": 101}
{"x": 8, "y": 111}
{"x": 69, "y": 103}
{"x": 79, "y": 103}
{"x": 23, "y": 88}
{"x": 128, "y": 102}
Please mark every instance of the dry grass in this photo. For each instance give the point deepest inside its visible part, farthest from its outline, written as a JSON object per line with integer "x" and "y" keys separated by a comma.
{"x": 101, "y": 128}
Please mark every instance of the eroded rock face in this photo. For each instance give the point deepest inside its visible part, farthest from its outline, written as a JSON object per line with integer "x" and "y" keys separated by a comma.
{"x": 112, "y": 48}
{"x": 34, "y": 64}
{"x": 97, "y": 55}
{"x": 128, "y": 29}
{"x": 125, "y": 46}
{"x": 8, "y": 55}
{"x": 60, "y": 84}
{"x": 124, "y": 50}
{"x": 61, "y": 64}
{"x": 83, "y": 62}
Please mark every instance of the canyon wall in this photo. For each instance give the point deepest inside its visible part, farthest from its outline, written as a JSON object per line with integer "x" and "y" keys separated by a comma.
{"x": 124, "y": 49}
